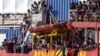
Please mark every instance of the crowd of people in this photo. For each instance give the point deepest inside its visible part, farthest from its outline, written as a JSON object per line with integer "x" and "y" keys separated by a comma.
{"x": 70, "y": 41}
{"x": 85, "y": 11}
{"x": 36, "y": 8}
{"x": 15, "y": 45}
{"x": 74, "y": 43}
{"x": 45, "y": 42}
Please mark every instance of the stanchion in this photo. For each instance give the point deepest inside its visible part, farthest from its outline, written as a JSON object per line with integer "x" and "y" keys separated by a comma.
{"x": 51, "y": 33}
{"x": 32, "y": 40}
{"x": 97, "y": 38}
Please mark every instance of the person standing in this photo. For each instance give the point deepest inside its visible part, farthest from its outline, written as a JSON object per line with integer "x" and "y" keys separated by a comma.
{"x": 70, "y": 52}
{"x": 15, "y": 42}
{"x": 14, "y": 39}
{"x": 29, "y": 15}
{"x": 43, "y": 10}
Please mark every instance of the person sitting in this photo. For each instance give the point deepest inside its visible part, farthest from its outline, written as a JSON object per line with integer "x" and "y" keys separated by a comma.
{"x": 90, "y": 6}
{"x": 83, "y": 8}
{"x": 10, "y": 46}
{"x": 80, "y": 5}
{"x": 39, "y": 6}
{"x": 73, "y": 16}
{"x": 4, "y": 44}
{"x": 72, "y": 5}
{"x": 44, "y": 42}
{"x": 32, "y": 9}
{"x": 98, "y": 11}
{"x": 36, "y": 7}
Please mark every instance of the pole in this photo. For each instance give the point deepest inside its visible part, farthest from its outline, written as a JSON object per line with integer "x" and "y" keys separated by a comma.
{"x": 32, "y": 41}
{"x": 51, "y": 33}
{"x": 50, "y": 20}
{"x": 51, "y": 41}
{"x": 97, "y": 38}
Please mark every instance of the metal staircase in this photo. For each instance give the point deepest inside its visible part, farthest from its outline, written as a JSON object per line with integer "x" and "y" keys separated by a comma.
{"x": 26, "y": 33}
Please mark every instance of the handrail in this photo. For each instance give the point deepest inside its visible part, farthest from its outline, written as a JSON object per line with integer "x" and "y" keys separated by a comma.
{"x": 25, "y": 30}
{"x": 25, "y": 34}
{"x": 54, "y": 18}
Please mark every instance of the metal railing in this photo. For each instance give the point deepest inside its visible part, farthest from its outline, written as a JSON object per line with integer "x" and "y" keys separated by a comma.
{"x": 11, "y": 19}
{"x": 53, "y": 17}
{"x": 84, "y": 15}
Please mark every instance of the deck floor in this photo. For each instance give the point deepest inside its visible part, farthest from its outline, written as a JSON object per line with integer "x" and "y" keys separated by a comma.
{"x": 86, "y": 24}
{"x": 3, "y": 53}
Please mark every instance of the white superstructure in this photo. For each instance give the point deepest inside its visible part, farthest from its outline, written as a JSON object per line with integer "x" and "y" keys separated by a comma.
{"x": 14, "y": 6}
